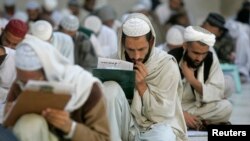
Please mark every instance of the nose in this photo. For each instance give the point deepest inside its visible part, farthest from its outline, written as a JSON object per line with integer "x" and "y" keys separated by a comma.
{"x": 137, "y": 55}
{"x": 199, "y": 58}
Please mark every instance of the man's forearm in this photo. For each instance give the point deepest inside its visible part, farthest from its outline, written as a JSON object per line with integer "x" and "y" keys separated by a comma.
{"x": 197, "y": 85}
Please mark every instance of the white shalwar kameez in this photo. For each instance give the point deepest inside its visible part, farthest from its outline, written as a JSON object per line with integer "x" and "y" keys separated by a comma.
{"x": 64, "y": 44}
{"x": 211, "y": 106}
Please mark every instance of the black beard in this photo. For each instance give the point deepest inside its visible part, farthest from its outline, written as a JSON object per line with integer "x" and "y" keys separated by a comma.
{"x": 2, "y": 57}
{"x": 133, "y": 61}
{"x": 190, "y": 62}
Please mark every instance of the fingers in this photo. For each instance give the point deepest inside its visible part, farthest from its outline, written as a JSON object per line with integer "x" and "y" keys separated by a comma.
{"x": 58, "y": 118}
{"x": 141, "y": 68}
{"x": 193, "y": 121}
{"x": 141, "y": 71}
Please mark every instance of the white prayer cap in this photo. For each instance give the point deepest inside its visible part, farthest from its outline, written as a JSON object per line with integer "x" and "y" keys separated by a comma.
{"x": 174, "y": 35}
{"x": 196, "y": 33}
{"x": 93, "y": 23}
{"x": 9, "y": 2}
{"x": 70, "y": 22}
{"x": 21, "y": 16}
{"x": 135, "y": 27}
{"x": 50, "y": 5}
{"x": 42, "y": 29}
{"x": 32, "y": 5}
{"x": 26, "y": 58}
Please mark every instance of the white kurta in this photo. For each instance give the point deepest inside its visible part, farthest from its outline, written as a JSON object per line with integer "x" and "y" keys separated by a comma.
{"x": 108, "y": 40}
{"x": 210, "y": 106}
{"x": 156, "y": 115}
{"x": 64, "y": 44}
{"x": 3, "y": 22}
{"x": 7, "y": 76}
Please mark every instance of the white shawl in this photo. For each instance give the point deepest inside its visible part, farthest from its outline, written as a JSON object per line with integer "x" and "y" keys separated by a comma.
{"x": 57, "y": 68}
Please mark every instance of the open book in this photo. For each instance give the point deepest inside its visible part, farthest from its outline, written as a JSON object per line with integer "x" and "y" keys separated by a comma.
{"x": 119, "y": 71}
{"x": 37, "y": 96}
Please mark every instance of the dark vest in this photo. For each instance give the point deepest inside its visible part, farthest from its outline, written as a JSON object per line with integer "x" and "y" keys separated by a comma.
{"x": 178, "y": 53}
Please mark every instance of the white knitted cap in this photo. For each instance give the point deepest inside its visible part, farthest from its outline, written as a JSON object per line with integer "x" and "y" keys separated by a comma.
{"x": 70, "y": 22}
{"x": 93, "y": 23}
{"x": 50, "y": 5}
{"x": 42, "y": 29}
{"x": 135, "y": 27}
{"x": 21, "y": 16}
{"x": 174, "y": 35}
{"x": 32, "y": 5}
{"x": 26, "y": 58}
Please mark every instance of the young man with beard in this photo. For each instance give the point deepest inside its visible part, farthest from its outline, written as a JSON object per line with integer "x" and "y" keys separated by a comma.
{"x": 155, "y": 112}
{"x": 203, "y": 80}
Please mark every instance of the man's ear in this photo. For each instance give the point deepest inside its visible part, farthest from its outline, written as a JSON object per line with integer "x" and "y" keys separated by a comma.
{"x": 185, "y": 45}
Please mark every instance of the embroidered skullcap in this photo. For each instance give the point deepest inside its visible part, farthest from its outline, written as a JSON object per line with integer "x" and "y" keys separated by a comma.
{"x": 93, "y": 23}
{"x": 135, "y": 27}
{"x": 9, "y": 2}
{"x": 32, "y": 5}
{"x": 17, "y": 27}
{"x": 196, "y": 33}
{"x": 174, "y": 35}
{"x": 50, "y": 5}
{"x": 70, "y": 22}
{"x": 26, "y": 58}
{"x": 42, "y": 29}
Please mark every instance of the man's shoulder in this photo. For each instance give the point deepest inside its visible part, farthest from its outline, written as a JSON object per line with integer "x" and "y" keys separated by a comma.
{"x": 164, "y": 57}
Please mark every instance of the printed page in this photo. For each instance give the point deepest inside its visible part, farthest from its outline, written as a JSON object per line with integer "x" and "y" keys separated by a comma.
{"x": 107, "y": 63}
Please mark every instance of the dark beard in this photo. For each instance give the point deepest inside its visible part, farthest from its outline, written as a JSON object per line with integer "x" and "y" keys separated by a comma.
{"x": 190, "y": 62}
{"x": 2, "y": 57}
{"x": 133, "y": 61}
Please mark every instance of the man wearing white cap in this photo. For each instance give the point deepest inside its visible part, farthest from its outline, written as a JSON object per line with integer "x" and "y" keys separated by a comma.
{"x": 33, "y": 10}
{"x": 61, "y": 41}
{"x": 155, "y": 113}
{"x": 51, "y": 13}
{"x": 84, "y": 117}
{"x": 84, "y": 52}
{"x": 203, "y": 100}
{"x": 174, "y": 38}
{"x": 105, "y": 35}
{"x": 9, "y": 8}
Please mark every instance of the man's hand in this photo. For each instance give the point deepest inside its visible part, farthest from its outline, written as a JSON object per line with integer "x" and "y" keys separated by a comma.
{"x": 140, "y": 75}
{"x": 189, "y": 75}
{"x": 58, "y": 118}
{"x": 187, "y": 71}
{"x": 192, "y": 121}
